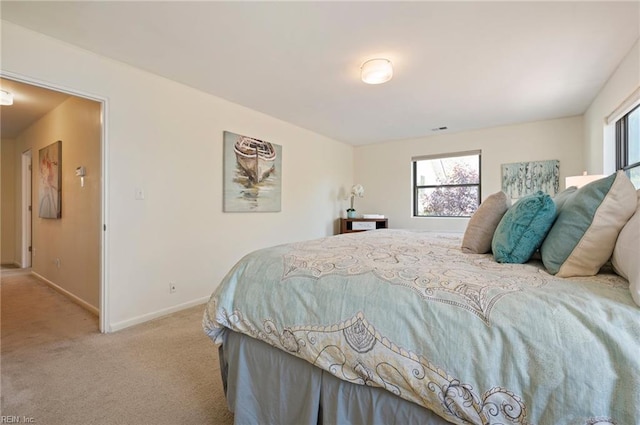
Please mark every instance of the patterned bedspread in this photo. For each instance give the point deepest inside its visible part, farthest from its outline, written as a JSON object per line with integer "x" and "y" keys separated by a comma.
{"x": 473, "y": 340}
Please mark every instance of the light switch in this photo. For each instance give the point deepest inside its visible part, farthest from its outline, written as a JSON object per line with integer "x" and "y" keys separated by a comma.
{"x": 139, "y": 194}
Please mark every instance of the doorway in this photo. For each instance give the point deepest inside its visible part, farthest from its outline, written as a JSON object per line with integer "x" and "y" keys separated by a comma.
{"x": 26, "y": 209}
{"x": 44, "y": 111}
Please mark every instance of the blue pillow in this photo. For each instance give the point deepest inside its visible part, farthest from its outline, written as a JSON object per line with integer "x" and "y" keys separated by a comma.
{"x": 562, "y": 197}
{"x": 523, "y": 228}
{"x": 584, "y": 235}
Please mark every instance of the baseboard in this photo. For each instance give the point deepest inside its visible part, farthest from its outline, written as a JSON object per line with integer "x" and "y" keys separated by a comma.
{"x": 82, "y": 303}
{"x": 14, "y": 272}
{"x": 150, "y": 316}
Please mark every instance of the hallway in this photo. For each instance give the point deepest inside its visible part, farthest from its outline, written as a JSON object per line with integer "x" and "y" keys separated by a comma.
{"x": 32, "y": 314}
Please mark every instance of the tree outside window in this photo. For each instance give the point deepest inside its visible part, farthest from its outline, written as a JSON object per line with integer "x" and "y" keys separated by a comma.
{"x": 447, "y": 186}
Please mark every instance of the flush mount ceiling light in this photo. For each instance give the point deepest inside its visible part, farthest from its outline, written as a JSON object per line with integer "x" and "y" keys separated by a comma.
{"x": 376, "y": 71}
{"x": 6, "y": 98}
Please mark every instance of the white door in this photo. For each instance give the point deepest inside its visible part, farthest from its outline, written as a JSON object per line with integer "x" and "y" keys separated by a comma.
{"x": 26, "y": 209}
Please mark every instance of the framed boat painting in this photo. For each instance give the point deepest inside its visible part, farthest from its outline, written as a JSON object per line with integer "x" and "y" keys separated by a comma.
{"x": 252, "y": 174}
{"x": 50, "y": 181}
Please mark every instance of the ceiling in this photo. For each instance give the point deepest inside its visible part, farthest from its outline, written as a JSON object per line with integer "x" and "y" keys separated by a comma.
{"x": 464, "y": 65}
{"x": 30, "y": 103}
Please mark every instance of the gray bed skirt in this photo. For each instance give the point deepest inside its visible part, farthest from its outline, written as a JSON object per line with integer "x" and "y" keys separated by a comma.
{"x": 265, "y": 385}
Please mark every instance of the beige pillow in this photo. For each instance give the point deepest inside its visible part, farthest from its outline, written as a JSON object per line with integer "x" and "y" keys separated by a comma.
{"x": 625, "y": 254}
{"x": 483, "y": 224}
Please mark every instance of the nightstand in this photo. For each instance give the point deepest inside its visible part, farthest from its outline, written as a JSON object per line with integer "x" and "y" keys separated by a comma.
{"x": 348, "y": 225}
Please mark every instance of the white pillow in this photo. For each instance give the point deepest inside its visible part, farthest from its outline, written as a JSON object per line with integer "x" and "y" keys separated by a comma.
{"x": 625, "y": 259}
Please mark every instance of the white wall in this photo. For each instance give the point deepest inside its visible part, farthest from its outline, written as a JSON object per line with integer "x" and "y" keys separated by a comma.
{"x": 600, "y": 150}
{"x": 385, "y": 169}
{"x": 166, "y": 138}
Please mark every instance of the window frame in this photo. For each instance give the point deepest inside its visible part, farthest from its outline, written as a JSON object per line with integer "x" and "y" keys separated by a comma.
{"x": 416, "y": 187}
{"x": 622, "y": 142}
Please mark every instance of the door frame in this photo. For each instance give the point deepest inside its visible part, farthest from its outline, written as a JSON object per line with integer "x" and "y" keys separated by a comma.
{"x": 104, "y": 186}
{"x": 26, "y": 209}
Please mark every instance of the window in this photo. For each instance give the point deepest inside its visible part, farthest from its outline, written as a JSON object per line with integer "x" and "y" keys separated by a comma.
{"x": 446, "y": 185}
{"x": 628, "y": 145}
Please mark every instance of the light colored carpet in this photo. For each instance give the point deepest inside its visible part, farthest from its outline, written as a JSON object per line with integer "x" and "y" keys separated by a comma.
{"x": 57, "y": 369}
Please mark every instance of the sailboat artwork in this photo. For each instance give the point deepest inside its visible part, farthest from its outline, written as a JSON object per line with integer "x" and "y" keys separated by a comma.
{"x": 252, "y": 174}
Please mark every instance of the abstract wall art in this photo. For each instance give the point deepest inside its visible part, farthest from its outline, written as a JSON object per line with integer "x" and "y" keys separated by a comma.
{"x": 50, "y": 181}
{"x": 524, "y": 178}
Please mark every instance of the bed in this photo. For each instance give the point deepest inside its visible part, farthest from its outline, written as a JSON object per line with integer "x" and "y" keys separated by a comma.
{"x": 398, "y": 326}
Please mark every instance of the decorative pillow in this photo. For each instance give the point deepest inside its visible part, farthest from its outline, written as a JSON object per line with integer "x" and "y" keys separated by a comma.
{"x": 483, "y": 223}
{"x": 584, "y": 235}
{"x": 625, "y": 254}
{"x": 562, "y": 197}
{"x": 523, "y": 228}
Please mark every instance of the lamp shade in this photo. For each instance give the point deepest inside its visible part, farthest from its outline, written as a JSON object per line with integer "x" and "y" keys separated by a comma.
{"x": 6, "y": 98}
{"x": 376, "y": 71}
{"x": 582, "y": 180}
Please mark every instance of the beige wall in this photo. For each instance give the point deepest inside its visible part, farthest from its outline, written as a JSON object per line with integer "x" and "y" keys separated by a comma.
{"x": 385, "y": 169}
{"x": 75, "y": 238}
{"x": 599, "y": 141}
{"x": 9, "y": 168}
{"x": 166, "y": 138}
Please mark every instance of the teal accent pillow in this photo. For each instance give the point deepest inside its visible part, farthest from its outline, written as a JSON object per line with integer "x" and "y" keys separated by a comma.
{"x": 523, "y": 228}
{"x": 584, "y": 235}
{"x": 563, "y": 196}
